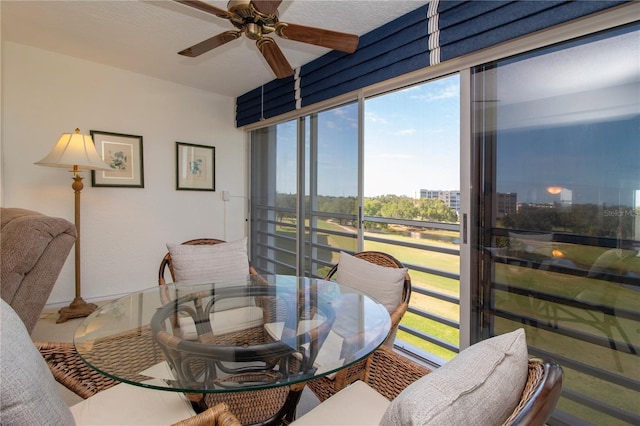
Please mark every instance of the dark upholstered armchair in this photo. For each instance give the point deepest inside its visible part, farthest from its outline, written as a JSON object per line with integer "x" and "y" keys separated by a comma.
{"x": 34, "y": 249}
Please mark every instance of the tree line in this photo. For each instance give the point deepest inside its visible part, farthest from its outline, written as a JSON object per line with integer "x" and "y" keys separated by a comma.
{"x": 389, "y": 206}
{"x": 580, "y": 219}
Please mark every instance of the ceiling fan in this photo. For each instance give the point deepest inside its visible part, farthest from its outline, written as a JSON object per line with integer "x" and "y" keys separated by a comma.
{"x": 256, "y": 19}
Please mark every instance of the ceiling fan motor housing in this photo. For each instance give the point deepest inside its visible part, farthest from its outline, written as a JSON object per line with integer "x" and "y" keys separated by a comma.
{"x": 241, "y": 8}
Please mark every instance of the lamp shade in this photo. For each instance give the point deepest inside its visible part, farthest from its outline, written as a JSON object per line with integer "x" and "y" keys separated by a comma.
{"x": 74, "y": 149}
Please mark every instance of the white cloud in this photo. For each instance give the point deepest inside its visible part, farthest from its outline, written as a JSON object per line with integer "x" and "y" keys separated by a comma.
{"x": 373, "y": 118}
{"x": 404, "y": 132}
{"x": 448, "y": 91}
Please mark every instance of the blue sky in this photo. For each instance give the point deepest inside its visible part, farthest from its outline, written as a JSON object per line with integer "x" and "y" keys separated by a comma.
{"x": 411, "y": 142}
{"x": 412, "y": 139}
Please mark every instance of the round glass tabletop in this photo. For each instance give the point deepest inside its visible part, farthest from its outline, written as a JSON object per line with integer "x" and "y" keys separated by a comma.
{"x": 264, "y": 331}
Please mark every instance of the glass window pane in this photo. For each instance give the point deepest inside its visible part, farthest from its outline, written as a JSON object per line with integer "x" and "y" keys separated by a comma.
{"x": 274, "y": 197}
{"x": 332, "y": 179}
{"x": 412, "y": 202}
{"x": 560, "y": 133}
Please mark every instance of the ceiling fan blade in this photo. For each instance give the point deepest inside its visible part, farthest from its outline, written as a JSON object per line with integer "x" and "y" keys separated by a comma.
{"x": 268, "y": 7}
{"x": 209, "y": 8}
{"x": 335, "y": 40}
{"x": 210, "y": 44}
{"x": 275, "y": 58}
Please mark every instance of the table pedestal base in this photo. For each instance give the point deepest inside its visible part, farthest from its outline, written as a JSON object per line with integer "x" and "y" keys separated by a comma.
{"x": 284, "y": 416}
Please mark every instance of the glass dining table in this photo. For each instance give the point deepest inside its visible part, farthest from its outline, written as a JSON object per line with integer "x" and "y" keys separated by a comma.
{"x": 204, "y": 339}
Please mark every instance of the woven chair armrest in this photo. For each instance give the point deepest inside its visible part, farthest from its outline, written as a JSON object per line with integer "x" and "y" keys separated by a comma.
{"x": 218, "y": 415}
{"x": 389, "y": 372}
{"x": 540, "y": 394}
{"x": 396, "y": 317}
{"x": 357, "y": 370}
{"x": 325, "y": 387}
{"x": 71, "y": 371}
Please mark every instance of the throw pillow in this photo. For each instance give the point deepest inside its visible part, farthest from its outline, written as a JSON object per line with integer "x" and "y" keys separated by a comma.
{"x": 226, "y": 264}
{"x": 480, "y": 386}
{"x": 380, "y": 282}
{"x": 29, "y": 393}
{"x": 218, "y": 262}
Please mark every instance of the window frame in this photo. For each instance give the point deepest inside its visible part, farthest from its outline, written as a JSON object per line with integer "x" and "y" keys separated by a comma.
{"x": 469, "y": 270}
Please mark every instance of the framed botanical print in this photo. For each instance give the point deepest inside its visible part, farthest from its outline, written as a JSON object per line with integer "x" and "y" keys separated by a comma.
{"x": 195, "y": 167}
{"x": 123, "y": 153}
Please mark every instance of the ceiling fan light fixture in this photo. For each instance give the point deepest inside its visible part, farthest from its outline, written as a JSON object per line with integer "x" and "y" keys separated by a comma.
{"x": 253, "y": 31}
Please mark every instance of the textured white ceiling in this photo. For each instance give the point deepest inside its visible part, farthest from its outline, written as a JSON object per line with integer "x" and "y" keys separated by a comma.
{"x": 145, "y": 36}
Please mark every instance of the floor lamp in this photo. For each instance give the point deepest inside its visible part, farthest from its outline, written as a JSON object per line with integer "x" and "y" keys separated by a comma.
{"x": 75, "y": 151}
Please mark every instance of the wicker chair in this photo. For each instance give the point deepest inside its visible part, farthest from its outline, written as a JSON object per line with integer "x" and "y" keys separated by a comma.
{"x": 325, "y": 387}
{"x": 166, "y": 260}
{"x": 389, "y": 372}
{"x": 256, "y": 407}
{"x": 30, "y": 395}
{"x": 71, "y": 371}
{"x": 251, "y": 407}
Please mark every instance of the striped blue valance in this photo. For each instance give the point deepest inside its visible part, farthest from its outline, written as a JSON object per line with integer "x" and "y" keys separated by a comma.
{"x": 469, "y": 26}
{"x": 274, "y": 98}
{"x": 436, "y": 32}
{"x": 396, "y": 48}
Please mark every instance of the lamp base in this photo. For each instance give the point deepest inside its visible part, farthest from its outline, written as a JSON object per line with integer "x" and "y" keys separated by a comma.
{"x": 77, "y": 309}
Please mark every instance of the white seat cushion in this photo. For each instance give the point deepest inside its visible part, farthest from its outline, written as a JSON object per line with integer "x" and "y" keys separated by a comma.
{"x": 356, "y": 404}
{"x": 482, "y": 383}
{"x": 126, "y": 404}
{"x": 224, "y": 321}
{"x": 328, "y": 356}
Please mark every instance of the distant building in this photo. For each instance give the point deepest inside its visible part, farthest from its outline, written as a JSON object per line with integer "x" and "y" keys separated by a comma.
{"x": 450, "y": 198}
{"x": 506, "y": 203}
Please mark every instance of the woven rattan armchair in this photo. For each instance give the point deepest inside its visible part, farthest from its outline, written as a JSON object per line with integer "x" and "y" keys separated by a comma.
{"x": 389, "y": 373}
{"x": 264, "y": 406}
{"x": 71, "y": 371}
{"x": 166, "y": 260}
{"x": 325, "y": 387}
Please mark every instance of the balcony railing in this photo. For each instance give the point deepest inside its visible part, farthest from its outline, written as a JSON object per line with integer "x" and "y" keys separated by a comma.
{"x": 426, "y": 333}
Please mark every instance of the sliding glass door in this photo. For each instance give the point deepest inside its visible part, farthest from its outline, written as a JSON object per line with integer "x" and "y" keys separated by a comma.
{"x": 274, "y": 197}
{"x": 331, "y": 202}
{"x": 557, "y": 133}
{"x": 412, "y": 205}
{"x": 379, "y": 174}
{"x": 304, "y": 192}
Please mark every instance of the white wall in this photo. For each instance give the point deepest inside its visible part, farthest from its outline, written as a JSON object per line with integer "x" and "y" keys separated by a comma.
{"x": 124, "y": 230}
